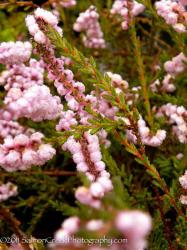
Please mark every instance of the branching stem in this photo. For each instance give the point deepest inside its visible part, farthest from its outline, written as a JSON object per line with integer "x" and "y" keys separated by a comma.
{"x": 153, "y": 171}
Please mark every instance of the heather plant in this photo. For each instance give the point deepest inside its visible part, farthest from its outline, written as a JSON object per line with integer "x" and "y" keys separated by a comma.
{"x": 93, "y": 125}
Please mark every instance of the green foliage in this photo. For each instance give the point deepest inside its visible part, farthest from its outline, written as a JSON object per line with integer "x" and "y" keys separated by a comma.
{"x": 136, "y": 171}
{"x": 181, "y": 233}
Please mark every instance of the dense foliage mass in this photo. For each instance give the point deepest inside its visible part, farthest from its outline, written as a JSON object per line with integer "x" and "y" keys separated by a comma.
{"x": 93, "y": 124}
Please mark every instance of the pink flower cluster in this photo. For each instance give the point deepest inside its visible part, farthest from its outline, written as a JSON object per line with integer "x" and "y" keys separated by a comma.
{"x": 127, "y": 9}
{"x": 69, "y": 227}
{"x": 101, "y": 105}
{"x": 145, "y": 134}
{"x": 7, "y": 190}
{"x": 27, "y": 96}
{"x": 65, "y": 84}
{"x": 67, "y": 3}
{"x": 72, "y": 103}
{"x": 22, "y": 151}
{"x": 88, "y": 22}
{"x": 173, "y": 13}
{"x": 117, "y": 81}
{"x": 87, "y": 156}
{"x": 35, "y": 103}
{"x": 104, "y": 107}
{"x": 17, "y": 52}
{"x": 33, "y": 27}
{"x": 183, "y": 182}
{"x": 177, "y": 117}
{"x": 10, "y": 128}
{"x": 122, "y": 85}
{"x": 94, "y": 225}
{"x": 179, "y": 156}
{"x": 135, "y": 226}
{"x": 102, "y": 134}
{"x": 173, "y": 68}
{"x": 73, "y": 92}
{"x": 23, "y": 76}
{"x": 67, "y": 119}
{"x": 98, "y": 104}
{"x": 165, "y": 86}
{"x": 176, "y": 65}
{"x": 57, "y": 5}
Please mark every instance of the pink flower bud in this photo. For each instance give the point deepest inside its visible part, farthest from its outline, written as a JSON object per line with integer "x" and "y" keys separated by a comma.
{"x": 97, "y": 190}
{"x": 94, "y": 225}
{"x": 71, "y": 225}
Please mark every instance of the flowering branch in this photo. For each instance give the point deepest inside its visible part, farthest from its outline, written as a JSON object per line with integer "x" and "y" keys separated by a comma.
{"x": 84, "y": 106}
